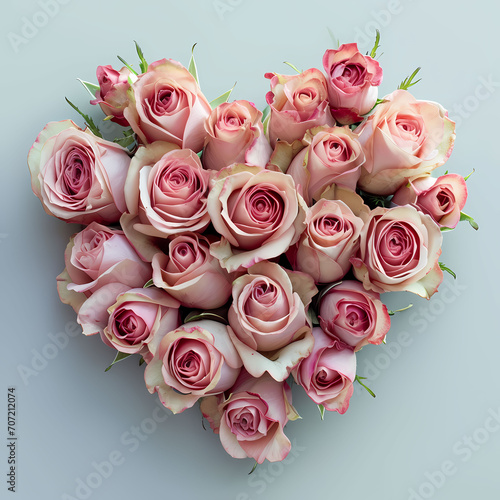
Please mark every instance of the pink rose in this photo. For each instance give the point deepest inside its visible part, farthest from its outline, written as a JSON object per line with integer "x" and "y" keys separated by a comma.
{"x": 352, "y": 82}
{"x": 258, "y": 213}
{"x": 129, "y": 319}
{"x": 442, "y": 198}
{"x": 399, "y": 250}
{"x": 328, "y": 373}
{"x": 250, "y": 421}
{"x": 298, "y": 103}
{"x": 403, "y": 139}
{"x": 190, "y": 274}
{"x": 332, "y": 156}
{"x": 354, "y": 315}
{"x": 268, "y": 318}
{"x": 166, "y": 104}
{"x": 167, "y": 188}
{"x": 112, "y": 95}
{"x": 331, "y": 238}
{"x": 197, "y": 359}
{"x": 96, "y": 256}
{"x": 235, "y": 135}
{"x": 78, "y": 176}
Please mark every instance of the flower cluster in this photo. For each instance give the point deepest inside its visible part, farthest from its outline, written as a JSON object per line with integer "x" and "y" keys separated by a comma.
{"x": 236, "y": 250}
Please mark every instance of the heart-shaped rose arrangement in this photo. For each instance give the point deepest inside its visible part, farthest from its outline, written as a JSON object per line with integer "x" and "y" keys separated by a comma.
{"x": 251, "y": 247}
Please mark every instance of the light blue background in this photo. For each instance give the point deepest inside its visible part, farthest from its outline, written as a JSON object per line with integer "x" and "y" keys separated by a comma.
{"x": 437, "y": 379}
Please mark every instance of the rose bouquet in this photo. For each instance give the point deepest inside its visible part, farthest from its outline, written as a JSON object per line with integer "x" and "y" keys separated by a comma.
{"x": 240, "y": 252}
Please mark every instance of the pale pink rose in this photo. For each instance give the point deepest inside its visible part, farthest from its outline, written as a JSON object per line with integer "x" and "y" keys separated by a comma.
{"x": 298, "y": 103}
{"x": 77, "y": 176}
{"x": 235, "y": 134}
{"x": 354, "y": 315}
{"x": 328, "y": 373}
{"x": 258, "y": 213}
{"x": 128, "y": 319}
{"x": 331, "y": 238}
{"x": 190, "y": 274}
{"x": 97, "y": 256}
{"x": 197, "y": 359}
{"x": 250, "y": 421}
{"x": 166, "y": 104}
{"x": 442, "y": 198}
{"x": 403, "y": 139}
{"x": 167, "y": 188}
{"x": 332, "y": 156}
{"x": 268, "y": 319}
{"x": 112, "y": 95}
{"x": 352, "y": 79}
{"x": 399, "y": 250}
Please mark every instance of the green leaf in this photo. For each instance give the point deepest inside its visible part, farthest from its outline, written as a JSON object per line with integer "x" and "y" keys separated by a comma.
{"x": 265, "y": 112}
{"x": 469, "y": 219}
{"x": 149, "y": 283}
{"x": 408, "y": 82}
{"x": 200, "y": 153}
{"x": 92, "y": 89}
{"x": 143, "y": 64}
{"x": 467, "y": 178}
{"x": 359, "y": 379}
{"x": 392, "y": 313}
{"x": 254, "y": 467}
{"x": 447, "y": 269}
{"x": 376, "y": 45}
{"x": 211, "y": 315}
{"x": 128, "y": 138}
{"x": 119, "y": 357}
{"x": 222, "y": 98}
{"x": 192, "y": 65}
{"x": 88, "y": 120}
{"x": 444, "y": 229}
{"x": 126, "y": 64}
{"x": 292, "y": 66}
{"x": 321, "y": 409}
{"x": 141, "y": 361}
{"x": 335, "y": 40}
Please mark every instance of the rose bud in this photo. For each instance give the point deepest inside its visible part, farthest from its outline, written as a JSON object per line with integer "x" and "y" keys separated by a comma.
{"x": 268, "y": 318}
{"x": 403, "y": 139}
{"x": 197, "y": 359}
{"x": 298, "y": 103}
{"x": 442, "y": 198}
{"x": 354, "y": 315}
{"x": 352, "y": 79}
{"x": 166, "y": 104}
{"x": 112, "y": 95}
{"x": 235, "y": 135}
{"x": 328, "y": 373}
{"x": 399, "y": 250}
{"x": 332, "y": 156}
{"x": 78, "y": 176}
{"x": 190, "y": 274}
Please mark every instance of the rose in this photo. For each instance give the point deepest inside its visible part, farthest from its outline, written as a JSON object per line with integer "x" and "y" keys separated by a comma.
{"x": 166, "y": 104}
{"x": 129, "y": 319}
{"x": 77, "y": 176}
{"x": 328, "y": 373}
{"x": 250, "y": 421}
{"x": 235, "y": 135}
{"x": 399, "y": 250}
{"x": 333, "y": 155}
{"x": 297, "y": 103}
{"x": 197, "y": 359}
{"x": 258, "y": 213}
{"x": 268, "y": 318}
{"x": 190, "y": 274}
{"x": 442, "y": 198}
{"x": 352, "y": 82}
{"x": 112, "y": 95}
{"x": 331, "y": 238}
{"x": 403, "y": 139}
{"x": 354, "y": 315}
{"x": 167, "y": 188}
{"x": 96, "y": 256}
